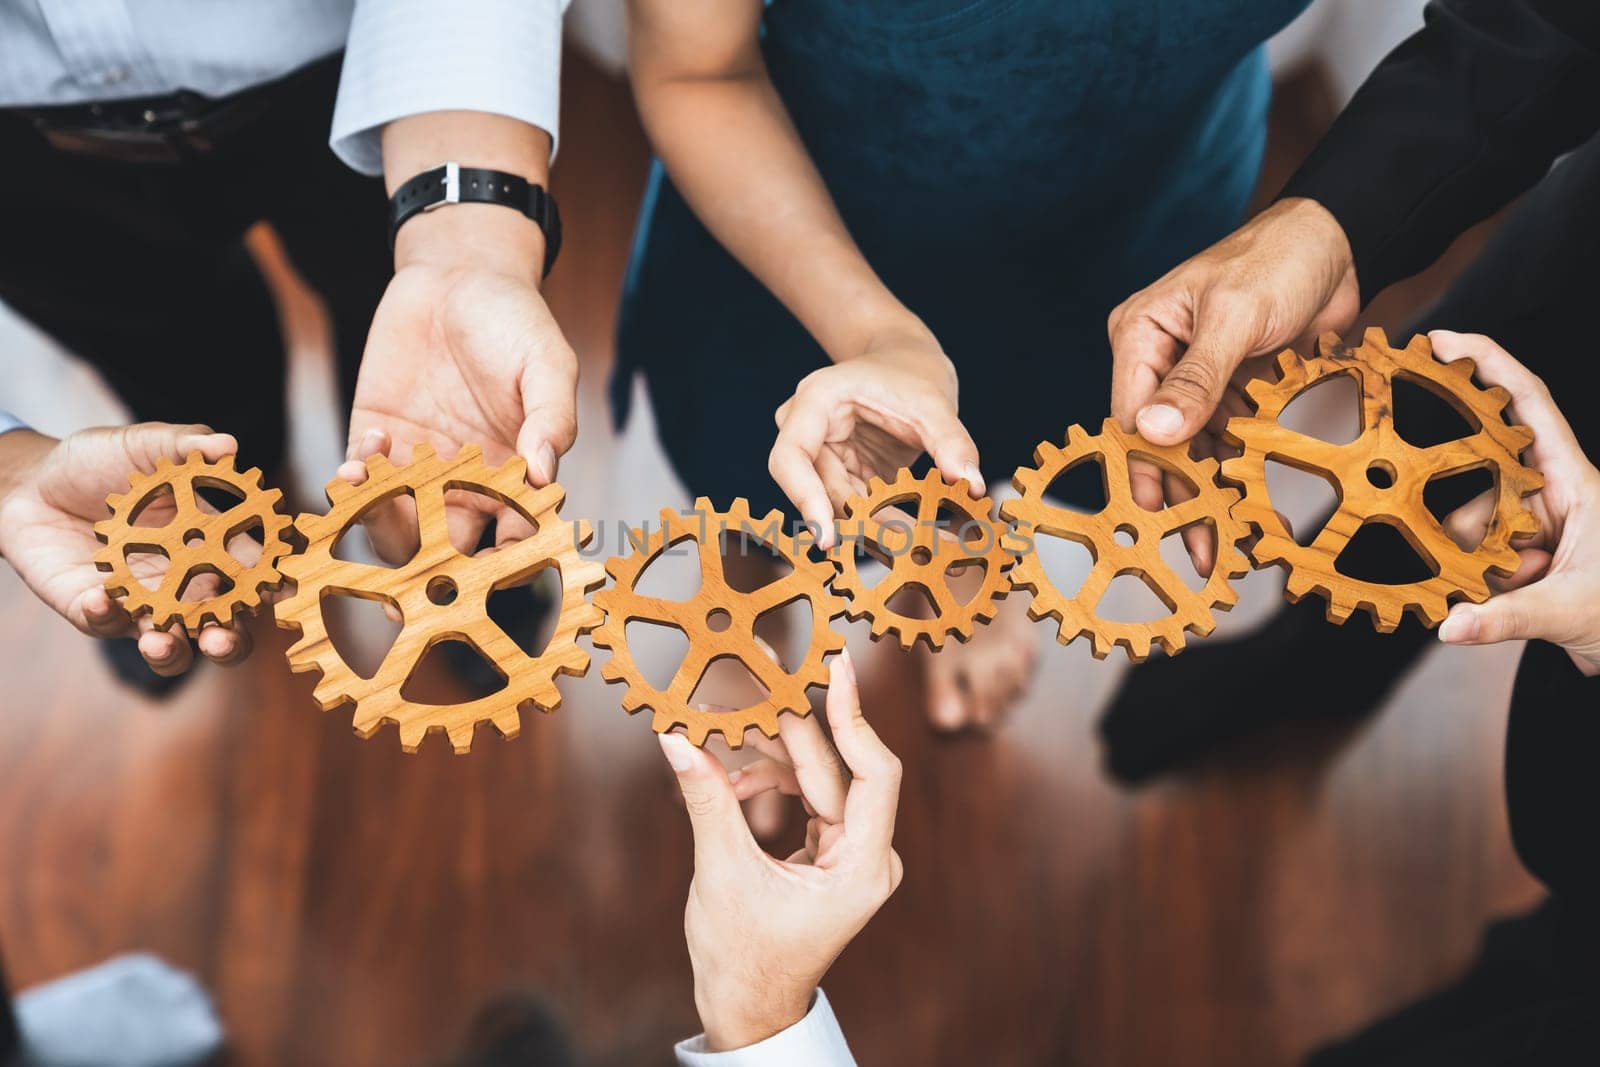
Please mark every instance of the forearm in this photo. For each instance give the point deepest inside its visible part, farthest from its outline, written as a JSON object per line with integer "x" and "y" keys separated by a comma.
{"x": 21, "y": 452}
{"x": 731, "y": 150}
{"x": 487, "y": 235}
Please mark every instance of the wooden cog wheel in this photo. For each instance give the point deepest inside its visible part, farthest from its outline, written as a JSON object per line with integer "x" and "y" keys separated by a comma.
{"x": 719, "y": 623}
{"x": 921, "y": 557}
{"x": 1380, "y": 477}
{"x": 1190, "y": 610}
{"x": 195, "y": 542}
{"x": 441, "y": 595}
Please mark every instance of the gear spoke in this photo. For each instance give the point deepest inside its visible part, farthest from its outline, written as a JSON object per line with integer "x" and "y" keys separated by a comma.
{"x": 1452, "y": 457}
{"x": 433, "y": 519}
{"x": 1185, "y": 514}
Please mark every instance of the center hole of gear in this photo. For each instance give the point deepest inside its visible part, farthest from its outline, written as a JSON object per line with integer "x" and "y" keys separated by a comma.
{"x": 442, "y": 591}
{"x": 718, "y": 620}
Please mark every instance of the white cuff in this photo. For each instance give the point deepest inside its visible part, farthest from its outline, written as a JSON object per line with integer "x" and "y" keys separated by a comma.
{"x": 9, "y": 422}
{"x": 815, "y": 1041}
{"x": 410, "y": 57}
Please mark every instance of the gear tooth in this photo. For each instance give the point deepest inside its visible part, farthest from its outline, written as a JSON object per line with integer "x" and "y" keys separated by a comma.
{"x": 421, "y": 452}
{"x": 381, "y": 466}
{"x": 1387, "y": 616}
{"x": 338, "y": 491}
{"x": 412, "y": 734}
{"x": 472, "y": 452}
{"x": 875, "y": 486}
{"x": 1376, "y": 337}
{"x": 1497, "y": 396}
{"x": 1463, "y": 368}
{"x": 1258, "y": 390}
{"x": 515, "y": 470}
{"x": 163, "y": 463}
{"x": 1519, "y": 437}
{"x": 697, "y": 733}
{"x": 702, "y": 506}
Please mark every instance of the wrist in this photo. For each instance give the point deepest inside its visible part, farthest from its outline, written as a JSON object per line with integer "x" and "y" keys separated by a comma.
{"x": 481, "y": 236}
{"x": 1325, "y": 230}
{"x": 748, "y": 1014}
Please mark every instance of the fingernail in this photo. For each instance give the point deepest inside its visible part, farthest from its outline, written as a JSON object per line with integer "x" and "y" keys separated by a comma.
{"x": 1460, "y": 627}
{"x": 677, "y": 751}
{"x": 1161, "y": 419}
{"x": 546, "y": 461}
{"x": 848, "y": 666}
{"x": 973, "y": 475}
{"x": 734, "y": 775}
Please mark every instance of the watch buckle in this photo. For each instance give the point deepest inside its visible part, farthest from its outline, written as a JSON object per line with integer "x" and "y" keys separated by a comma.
{"x": 452, "y": 187}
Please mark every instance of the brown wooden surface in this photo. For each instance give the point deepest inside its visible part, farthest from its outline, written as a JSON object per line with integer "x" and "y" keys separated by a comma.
{"x": 1112, "y": 450}
{"x": 439, "y": 595}
{"x": 194, "y": 538}
{"x": 351, "y": 905}
{"x": 719, "y": 620}
{"x": 943, "y": 530}
{"x": 1380, "y": 477}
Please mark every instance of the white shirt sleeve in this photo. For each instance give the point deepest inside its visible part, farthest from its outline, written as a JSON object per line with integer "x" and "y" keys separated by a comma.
{"x": 815, "y": 1041}
{"x": 409, "y": 57}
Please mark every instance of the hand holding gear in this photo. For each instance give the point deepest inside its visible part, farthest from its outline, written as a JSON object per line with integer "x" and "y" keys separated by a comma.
{"x": 1380, "y": 477}
{"x": 440, "y": 595}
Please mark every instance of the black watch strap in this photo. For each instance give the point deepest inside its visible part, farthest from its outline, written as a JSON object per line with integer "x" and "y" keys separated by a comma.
{"x": 452, "y": 183}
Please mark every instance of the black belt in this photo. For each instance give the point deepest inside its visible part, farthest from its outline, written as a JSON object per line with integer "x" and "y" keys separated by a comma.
{"x": 162, "y": 129}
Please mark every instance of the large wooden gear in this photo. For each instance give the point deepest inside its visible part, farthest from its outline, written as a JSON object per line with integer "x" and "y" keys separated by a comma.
{"x": 195, "y": 541}
{"x": 719, "y": 623}
{"x": 1190, "y": 610}
{"x": 1380, "y": 477}
{"x": 441, "y": 594}
{"x": 921, "y": 556}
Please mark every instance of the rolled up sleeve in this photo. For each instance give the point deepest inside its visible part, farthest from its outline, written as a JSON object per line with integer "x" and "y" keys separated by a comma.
{"x": 410, "y": 57}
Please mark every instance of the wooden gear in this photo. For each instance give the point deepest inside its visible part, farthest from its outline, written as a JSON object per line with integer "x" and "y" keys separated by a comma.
{"x": 1191, "y": 610}
{"x": 1359, "y": 469}
{"x": 920, "y": 557}
{"x": 436, "y": 571}
{"x": 735, "y": 613}
{"x": 195, "y": 541}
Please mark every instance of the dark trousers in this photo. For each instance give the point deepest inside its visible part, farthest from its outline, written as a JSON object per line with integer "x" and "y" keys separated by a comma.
{"x": 140, "y": 268}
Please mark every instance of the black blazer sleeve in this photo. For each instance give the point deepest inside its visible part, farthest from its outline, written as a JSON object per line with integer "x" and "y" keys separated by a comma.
{"x": 1455, "y": 123}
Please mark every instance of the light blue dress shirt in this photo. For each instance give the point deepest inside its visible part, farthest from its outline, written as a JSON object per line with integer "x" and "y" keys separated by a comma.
{"x": 402, "y": 57}
{"x": 815, "y": 1041}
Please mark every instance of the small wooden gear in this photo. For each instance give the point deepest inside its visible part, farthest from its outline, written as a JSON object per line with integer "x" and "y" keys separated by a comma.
{"x": 195, "y": 541}
{"x": 1191, "y": 610}
{"x": 921, "y": 557}
{"x": 441, "y": 595}
{"x": 719, "y": 623}
{"x": 1380, "y": 477}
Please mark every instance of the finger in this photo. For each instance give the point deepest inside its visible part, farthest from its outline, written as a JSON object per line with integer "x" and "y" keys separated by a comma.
{"x": 721, "y": 835}
{"x": 1140, "y": 351}
{"x": 1530, "y": 397}
{"x": 391, "y": 527}
{"x": 1198, "y": 538}
{"x": 942, "y": 435}
{"x": 1532, "y": 564}
{"x": 166, "y": 651}
{"x": 818, "y": 770}
{"x": 103, "y": 616}
{"x": 1146, "y": 484}
{"x": 1534, "y": 611}
{"x": 550, "y": 411}
{"x": 875, "y": 789}
{"x": 1190, "y": 392}
{"x": 146, "y": 443}
{"x": 225, "y": 645}
{"x": 828, "y": 838}
{"x": 764, "y": 775}
{"x": 793, "y": 465}
{"x": 1467, "y": 524}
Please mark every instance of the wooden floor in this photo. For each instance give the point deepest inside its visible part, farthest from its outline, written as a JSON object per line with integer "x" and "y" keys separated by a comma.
{"x": 350, "y": 905}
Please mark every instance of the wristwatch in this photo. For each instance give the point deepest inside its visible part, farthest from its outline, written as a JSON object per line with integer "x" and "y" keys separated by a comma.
{"x": 451, "y": 183}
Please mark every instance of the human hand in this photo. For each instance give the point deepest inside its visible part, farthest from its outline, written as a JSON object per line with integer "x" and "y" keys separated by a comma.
{"x": 870, "y": 415}
{"x": 1179, "y": 347}
{"x": 1555, "y": 594}
{"x": 763, "y": 932}
{"x": 51, "y": 495}
{"x": 463, "y": 350}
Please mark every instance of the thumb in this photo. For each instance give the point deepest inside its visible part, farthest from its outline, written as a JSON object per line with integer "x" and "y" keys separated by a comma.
{"x": 146, "y": 443}
{"x": 550, "y": 413}
{"x": 1534, "y": 611}
{"x": 720, "y": 832}
{"x": 1189, "y": 394}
